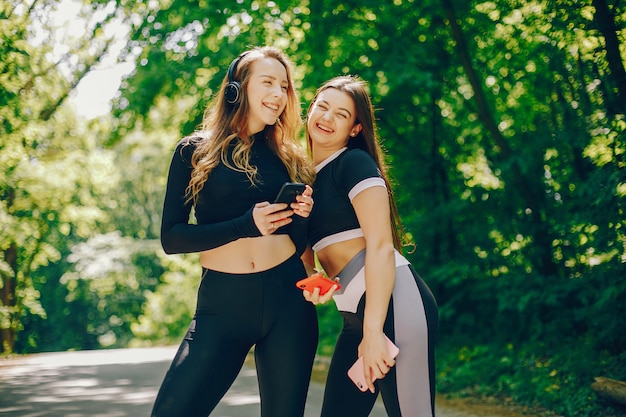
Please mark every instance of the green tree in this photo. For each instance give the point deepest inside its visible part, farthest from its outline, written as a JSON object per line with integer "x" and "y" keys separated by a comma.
{"x": 51, "y": 167}
{"x": 504, "y": 123}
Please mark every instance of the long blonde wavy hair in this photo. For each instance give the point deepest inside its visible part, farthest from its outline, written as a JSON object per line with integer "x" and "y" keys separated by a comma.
{"x": 224, "y": 124}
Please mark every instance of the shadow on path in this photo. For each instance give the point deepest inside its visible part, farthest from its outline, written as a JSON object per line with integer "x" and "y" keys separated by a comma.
{"x": 120, "y": 383}
{"x": 111, "y": 383}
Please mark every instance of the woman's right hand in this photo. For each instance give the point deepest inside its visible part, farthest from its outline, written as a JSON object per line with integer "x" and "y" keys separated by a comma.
{"x": 269, "y": 217}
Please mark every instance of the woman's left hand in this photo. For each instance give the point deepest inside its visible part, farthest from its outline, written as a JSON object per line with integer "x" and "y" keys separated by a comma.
{"x": 304, "y": 203}
{"x": 377, "y": 360}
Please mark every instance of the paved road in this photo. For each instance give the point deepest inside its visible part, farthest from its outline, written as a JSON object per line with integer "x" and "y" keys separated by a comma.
{"x": 119, "y": 383}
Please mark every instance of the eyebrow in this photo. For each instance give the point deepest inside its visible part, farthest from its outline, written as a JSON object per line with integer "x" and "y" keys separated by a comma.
{"x": 340, "y": 108}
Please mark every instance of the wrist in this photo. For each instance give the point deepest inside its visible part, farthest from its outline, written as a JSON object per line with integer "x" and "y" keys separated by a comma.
{"x": 372, "y": 326}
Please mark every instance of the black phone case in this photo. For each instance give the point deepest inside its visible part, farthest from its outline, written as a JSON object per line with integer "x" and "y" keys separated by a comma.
{"x": 289, "y": 191}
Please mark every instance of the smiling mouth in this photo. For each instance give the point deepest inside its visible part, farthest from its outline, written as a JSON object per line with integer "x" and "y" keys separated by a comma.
{"x": 324, "y": 128}
{"x": 274, "y": 107}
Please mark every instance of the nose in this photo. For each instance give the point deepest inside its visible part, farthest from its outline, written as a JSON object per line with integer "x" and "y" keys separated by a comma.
{"x": 326, "y": 115}
{"x": 277, "y": 91}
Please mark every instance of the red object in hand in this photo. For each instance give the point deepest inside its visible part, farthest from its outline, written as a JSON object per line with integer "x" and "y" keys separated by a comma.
{"x": 317, "y": 281}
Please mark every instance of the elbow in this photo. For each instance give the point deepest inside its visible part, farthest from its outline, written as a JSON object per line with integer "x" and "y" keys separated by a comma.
{"x": 167, "y": 249}
{"x": 169, "y": 239}
{"x": 382, "y": 249}
{"x": 167, "y": 245}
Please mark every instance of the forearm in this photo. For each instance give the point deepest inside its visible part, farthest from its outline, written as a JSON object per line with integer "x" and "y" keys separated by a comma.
{"x": 380, "y": 272}
{"x": 188, "y": 238}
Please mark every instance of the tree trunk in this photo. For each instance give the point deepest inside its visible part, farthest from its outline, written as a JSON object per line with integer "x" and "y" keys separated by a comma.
{"x": 503, "y": 152}
{"x": 484, "y": 113}
{"x": 605, "y": 21}
{"x": 7, "y": 294}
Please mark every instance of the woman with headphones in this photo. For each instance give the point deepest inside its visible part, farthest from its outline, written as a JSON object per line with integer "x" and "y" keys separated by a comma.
{"x": 230, "y": 173}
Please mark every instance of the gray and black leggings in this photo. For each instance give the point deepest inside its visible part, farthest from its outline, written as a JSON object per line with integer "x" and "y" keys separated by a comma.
{"x": 235, "y": 312}
{"x": 408, "y": 390}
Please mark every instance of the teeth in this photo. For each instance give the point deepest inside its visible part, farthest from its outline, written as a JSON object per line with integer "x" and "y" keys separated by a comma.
{"x": 324, "y": 128}
{"x": 274, "y": 107}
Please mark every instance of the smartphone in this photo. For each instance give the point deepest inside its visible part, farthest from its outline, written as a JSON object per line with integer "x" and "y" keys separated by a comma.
{"x": 289, "y": 191}
{"x": 357, "y": 373}
{"x": 317, "y": 280}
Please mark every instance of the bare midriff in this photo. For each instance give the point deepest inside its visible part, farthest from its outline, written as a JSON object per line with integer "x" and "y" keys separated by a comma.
{"x": 248, "y": 255}
{"x": 336, "y": 256}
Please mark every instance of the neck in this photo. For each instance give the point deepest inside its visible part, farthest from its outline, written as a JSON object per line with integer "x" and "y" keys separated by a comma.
{"x": 320, "y": 154}
{"x": 254, "y": 133}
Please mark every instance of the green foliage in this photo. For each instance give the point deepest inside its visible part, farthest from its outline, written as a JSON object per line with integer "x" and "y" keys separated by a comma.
{"x": 169, "y": 308}
{"x": 108, "y": 279}
{"x": 52, "y": 169}
{"x": 104, "y": 289}
{"x": 504, "y": 125}
{"x": 557, "y": 381}
{"x": 330, "y": 323}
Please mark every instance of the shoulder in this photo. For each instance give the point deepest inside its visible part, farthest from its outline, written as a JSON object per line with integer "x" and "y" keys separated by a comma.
{"x": 358, "y": 162}
{"x": 194, "y": 139}
{"x": 355, "y": 166}
{"x": 188, "y": 145}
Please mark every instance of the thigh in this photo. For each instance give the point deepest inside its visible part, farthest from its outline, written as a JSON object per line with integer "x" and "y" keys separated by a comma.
{"x": 341, "y": 397}
{"x": 284, "y": 355}
{"x": 410, "y": 388}
{"x": 203, "y": 369}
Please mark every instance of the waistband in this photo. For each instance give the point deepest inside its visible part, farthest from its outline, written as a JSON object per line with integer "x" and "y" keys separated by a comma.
{"x": 357, "y": 263}
{"x": 352, "y": 268}
{"x": 220, "y": 274}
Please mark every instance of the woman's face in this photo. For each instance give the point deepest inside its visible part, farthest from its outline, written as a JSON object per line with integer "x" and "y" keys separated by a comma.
{"x": 332, "y": 120}
{"x": 267, "y": 93}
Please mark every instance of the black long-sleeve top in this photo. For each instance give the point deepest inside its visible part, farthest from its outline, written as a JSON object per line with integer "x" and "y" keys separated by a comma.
{"x": 224, "y": 207}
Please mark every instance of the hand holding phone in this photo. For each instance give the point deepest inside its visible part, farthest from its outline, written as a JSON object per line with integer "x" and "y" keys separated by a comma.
{"x": 317, "y": 281}
{"x": 357, "y": 371}
{"x": 289, "y": 191}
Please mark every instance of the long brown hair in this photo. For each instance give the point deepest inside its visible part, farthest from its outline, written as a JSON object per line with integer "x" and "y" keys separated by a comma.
{"x": 367, "y": 139}
{"x": 224, "y": 124}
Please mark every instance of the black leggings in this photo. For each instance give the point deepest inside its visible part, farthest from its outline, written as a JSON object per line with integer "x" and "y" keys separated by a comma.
{"x": 235, "y": 312}
{"x": 408, "y": 390}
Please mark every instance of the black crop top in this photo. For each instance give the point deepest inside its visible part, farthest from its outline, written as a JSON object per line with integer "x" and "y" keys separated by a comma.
{"x": 339, "y": 178}
{"x": 224, "y": 208}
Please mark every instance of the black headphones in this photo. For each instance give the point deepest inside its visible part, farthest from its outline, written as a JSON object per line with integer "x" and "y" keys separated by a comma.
{"x": 232, "y": 91}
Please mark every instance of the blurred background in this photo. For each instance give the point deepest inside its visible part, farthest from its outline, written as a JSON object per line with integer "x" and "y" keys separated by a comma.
{"x": 504, "y": 124}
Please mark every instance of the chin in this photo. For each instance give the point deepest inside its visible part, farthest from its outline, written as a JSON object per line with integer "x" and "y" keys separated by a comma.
{"x": 318, "y": 138}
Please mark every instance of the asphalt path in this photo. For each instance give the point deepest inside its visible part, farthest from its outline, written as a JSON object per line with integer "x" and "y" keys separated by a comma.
{"x": 121, "y": 383}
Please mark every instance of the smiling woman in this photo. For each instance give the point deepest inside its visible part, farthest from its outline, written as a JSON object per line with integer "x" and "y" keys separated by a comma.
{"x": 249, "y": 248}
{"x": 355, "y": 233}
